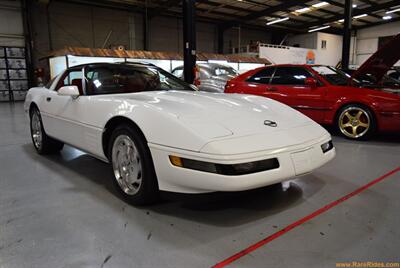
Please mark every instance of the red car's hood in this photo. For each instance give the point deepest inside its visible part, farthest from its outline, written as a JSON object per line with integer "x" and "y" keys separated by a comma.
{"x": 381, "y": 61}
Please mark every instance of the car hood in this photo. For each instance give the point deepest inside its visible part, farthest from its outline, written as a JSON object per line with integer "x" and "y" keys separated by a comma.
{"x": 217, "y": 123}
{"x": 381, "y": 61}
{"x": 217, "y": 115}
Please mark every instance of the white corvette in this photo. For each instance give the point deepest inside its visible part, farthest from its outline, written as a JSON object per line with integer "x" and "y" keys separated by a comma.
{"x": 161, "y": 134}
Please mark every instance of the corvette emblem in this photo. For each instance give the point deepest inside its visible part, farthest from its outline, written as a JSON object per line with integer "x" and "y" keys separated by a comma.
{"x": 270, "y": 123}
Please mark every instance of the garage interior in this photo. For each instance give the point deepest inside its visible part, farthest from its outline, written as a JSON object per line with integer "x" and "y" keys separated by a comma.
{"x": 62, "y": 211}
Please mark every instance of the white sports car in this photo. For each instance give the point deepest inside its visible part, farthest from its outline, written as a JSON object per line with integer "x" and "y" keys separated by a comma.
{"x": 159, "y": 133}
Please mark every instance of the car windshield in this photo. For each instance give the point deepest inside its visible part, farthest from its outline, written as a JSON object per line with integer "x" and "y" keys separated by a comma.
{"x": 129, "y": 78}
{"x": 333, "y": 75}
{"x": 225, "y": 70}
{"x": 48, "y": 85}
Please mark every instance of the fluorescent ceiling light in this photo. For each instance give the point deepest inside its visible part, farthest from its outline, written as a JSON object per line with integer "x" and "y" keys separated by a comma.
{"x": 276, "y": 21}
{"x": 392, "y": 11}
{"x": 321, "y": 4}
{"x": 354, "y": 5}
{"x": 302, "y": 10}
{"x": 355, "y": 17}
{"x": 360, "y": 16}
{"x": 319, "y": 28}
{"x": 386, "y": 17}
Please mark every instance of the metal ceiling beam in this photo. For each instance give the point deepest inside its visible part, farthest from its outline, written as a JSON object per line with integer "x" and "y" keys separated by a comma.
{"x": 164, "y": 7}
{"x": 265, "y": 12}
{"x": 356, "y": 12}
{"x": 235, "y": 8}
{"x": 368, "y": 2}
{"x": 377, "y": 23}
{"x": 214, "y": 4}
{"x": 104, "y": 4}
{"x": 334, "y": 3}
{"x": 239, "y": 9}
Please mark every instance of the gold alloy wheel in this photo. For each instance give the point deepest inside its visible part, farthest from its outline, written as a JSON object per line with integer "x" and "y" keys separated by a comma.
{"x": 354, "y": 122}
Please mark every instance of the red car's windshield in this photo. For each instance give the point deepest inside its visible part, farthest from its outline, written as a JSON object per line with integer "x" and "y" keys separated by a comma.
{"x": 333, "y": 76}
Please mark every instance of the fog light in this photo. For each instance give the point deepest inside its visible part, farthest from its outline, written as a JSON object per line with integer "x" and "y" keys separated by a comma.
{"x": 176, "y": 161}
{"x": 193, "y": 164}
{"x": 327, "y": 146}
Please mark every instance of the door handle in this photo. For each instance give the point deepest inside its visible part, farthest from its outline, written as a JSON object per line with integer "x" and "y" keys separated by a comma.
{"x": 272, "y": 89}
{"x": 48, "y": 99}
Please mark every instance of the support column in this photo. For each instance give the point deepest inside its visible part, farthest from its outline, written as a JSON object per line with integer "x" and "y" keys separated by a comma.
{"x": 347, "y": 34}
{"x": 189, "y": 39}
{"x": 145, "y": 30}
{"x": 27, "y": 22}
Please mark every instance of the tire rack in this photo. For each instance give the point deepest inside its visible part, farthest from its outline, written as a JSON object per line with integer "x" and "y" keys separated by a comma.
{"x": 8, "y": 91}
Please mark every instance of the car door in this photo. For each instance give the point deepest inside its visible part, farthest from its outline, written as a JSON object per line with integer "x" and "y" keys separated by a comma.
{"x": 61, "y": 114}
{"x": 288, "y": 86}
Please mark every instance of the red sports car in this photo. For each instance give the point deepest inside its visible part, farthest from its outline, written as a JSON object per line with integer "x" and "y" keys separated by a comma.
{"x": 330, "y": 96}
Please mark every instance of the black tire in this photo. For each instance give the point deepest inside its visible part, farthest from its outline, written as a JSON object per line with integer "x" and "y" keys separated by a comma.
{"x": 145, "y": 192}
{"x": 43, "y": 144}
{"x": 356, "y": 122}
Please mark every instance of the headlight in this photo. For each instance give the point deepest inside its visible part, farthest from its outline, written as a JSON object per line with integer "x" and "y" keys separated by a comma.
{"x": 327, "y": 146}
{"x": 231, "y": 170}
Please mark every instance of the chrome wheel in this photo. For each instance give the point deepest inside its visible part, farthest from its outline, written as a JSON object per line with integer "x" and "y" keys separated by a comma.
{"x": 36, "y": 130}
{"x": 127, "y": 164}
{"x": 354, "y": 122}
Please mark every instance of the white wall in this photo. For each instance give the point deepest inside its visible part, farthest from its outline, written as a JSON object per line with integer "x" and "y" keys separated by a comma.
{"x": 285, "y": 54}
{"x": 11, "y": 29}
{"x": 332, "y": 54}
{"x": 367, "y": 40}
{"x": 308, "y": 40}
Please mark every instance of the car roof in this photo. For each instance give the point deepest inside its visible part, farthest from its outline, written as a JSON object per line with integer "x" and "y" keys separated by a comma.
{"x": 141, "y": 64}
{"x": 294, "y": 65}
{"x": 208, "y": 65}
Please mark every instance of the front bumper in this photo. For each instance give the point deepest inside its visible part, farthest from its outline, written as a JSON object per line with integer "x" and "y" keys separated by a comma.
{"x": 293, "y": 161}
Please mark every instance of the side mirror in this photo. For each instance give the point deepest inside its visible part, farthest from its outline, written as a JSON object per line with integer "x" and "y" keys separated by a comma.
{"x": 72, "y": 91}
{"x": 311, "y": 82}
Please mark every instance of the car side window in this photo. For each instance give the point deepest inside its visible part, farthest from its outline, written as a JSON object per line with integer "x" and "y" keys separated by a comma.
{"x": 263, "y": 77}
{"x": 290, "y": 76}
{"x": 71, "y": 78}
{"x": 178, "y": 73}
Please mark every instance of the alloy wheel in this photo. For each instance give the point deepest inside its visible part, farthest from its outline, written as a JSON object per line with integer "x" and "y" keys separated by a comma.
{"x": 354, "y": 122}
{"x": 36, "y": 130}
{"x": 127, "y": 164}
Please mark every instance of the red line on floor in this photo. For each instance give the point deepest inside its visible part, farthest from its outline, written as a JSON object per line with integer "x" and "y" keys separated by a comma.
{"x": 301, "y": 221}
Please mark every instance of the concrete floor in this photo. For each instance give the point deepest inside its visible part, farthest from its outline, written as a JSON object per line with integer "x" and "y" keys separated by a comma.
{"x": 60, "y": 211}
